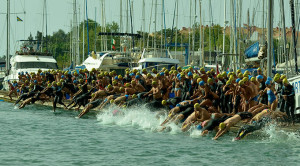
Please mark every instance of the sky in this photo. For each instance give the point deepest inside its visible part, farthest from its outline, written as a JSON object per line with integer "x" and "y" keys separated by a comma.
{"x": 60, "y": 14}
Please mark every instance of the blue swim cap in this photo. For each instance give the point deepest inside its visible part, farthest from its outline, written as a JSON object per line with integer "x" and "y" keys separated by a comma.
{"x": 269, "y": 79}
{"x": 8, "y": 80}
{"x": 18, "y": 90}
{"x": 178, "y": 105}
{"x": 62, "y": 76}
{"x": 260, "y": 77}
{"x": 137, "y": 77}
{"x": 41, "y": 74}
{"x": 19, "y": 73}
{"x": 268, "y": 82}
{"x": 35, "y": 81}
{"x": 249, "y": 77}
{"x": 26, "y": 72}
{"x": 116, "y": 78}
{"x": 238, "y": 80}
{"x": 190, "y": 74}
{"x": 199, "y": 127}
{"x": 201, "y": 83}
{"x": 162, "y": 74}
{"x": 126, "y": 96}
{"x": 75, "y": 81}
{"x": 178, "y": 75}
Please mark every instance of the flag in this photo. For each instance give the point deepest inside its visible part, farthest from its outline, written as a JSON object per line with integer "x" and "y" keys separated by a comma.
{"x": 113, "y": 42}
{"x": 19, "y": 19}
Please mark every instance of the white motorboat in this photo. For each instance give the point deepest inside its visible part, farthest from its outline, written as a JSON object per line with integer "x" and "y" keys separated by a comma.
{"x": 151, "y": 59}
{"x": 29, "y": 59}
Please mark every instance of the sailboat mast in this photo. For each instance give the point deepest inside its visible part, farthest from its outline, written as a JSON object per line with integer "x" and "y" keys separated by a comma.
{"x": 83, "y": 29}
{"x": 200, "y": 34}
{"x": 95, "y": 30}
{"x": 284, "y": 36}
{"x": 7, "y": 36}
{"x": 121, "y": 24}
{"x": 224, "y": 31}
{"x": 176, "y": 31}
{"x": 294, "y": 33}
{"x": 144, "y": 23}
{"x": 270, "y": 36}
{"x": 190, "y": 32}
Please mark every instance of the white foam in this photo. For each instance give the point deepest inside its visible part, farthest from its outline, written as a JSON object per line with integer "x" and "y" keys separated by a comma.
{"x": 276, "y": 134}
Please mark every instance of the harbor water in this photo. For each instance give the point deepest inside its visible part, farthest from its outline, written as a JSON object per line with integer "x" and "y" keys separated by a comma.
{"x": 37, "y": 136}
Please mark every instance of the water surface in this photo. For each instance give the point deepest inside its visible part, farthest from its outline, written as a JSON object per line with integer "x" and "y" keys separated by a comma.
{"x": 37, "y": 136}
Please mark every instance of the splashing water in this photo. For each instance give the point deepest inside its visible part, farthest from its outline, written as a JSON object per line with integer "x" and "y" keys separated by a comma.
{"x": 278, "y": 135}
{"x": 139, "y": 117}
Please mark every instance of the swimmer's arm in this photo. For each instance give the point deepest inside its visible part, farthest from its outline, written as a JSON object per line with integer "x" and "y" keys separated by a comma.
{"x": 146, "y": 94}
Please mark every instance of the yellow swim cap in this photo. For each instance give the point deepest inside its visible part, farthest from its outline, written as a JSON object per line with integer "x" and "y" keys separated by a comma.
{"x": 112, "y": 101}
{"x": 241, "y": 75}
{"x": 202, "y": 69}
{"x": 276, "y": 78}
{"x": 149, "y": 75}
{"x": 134, "y": 96}
{"x": 133, "y": 82}
{"x": 197, "y": 105}
{"x": 109, "y": 86}
{"x": 282, "y": 77}
{"x": 127, "y": 84}
{"x": 245, "y": 79}
{"x": 114, "y": 82}
{"x": 199, "y": 80}
{"x": 154, "y": 83}
{"x": 285, "y": 81}
{"x": 178, "y": 68}
{"x": 209, "y": 80}
{"x": 253, "y": 79}
{"x": 238, "y": 71}
{"x": 120, "y": 77}
{"x": 277, "y": 75}
{"x": 144, "y": 70}
{"x": 173, "y": 68}
{"x": 208, "y": 72}
{"x": 219, "y": 76}
{"x": 241, "y": 82}
{"x": 259, "y": 69}
{"x": 222, "y": 126}
{"x": 121, "y": 89}
{"x": 153, "y": 70}
{"x": 164, "y": 102}
{"x": 228, "y": 82}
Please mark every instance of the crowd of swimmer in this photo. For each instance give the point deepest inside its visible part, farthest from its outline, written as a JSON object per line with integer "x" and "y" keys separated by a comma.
{"x": 188, "y": 97}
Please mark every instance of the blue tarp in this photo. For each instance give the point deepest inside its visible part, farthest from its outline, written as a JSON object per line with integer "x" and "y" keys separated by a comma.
{"x": 252, "y": 51}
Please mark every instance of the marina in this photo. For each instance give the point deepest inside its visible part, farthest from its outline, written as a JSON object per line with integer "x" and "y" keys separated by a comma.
{"x": 160, "y": 82}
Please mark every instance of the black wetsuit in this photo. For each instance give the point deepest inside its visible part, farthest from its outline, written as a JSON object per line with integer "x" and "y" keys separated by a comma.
{"x": 58, "y": 97}
{"x": 95, "y": 103}
{"x": 246, "y": 129}
{"x": 25, "y": 96}
{"x": 186, "y": 88}
{"x": 290, "y": 102}
{"x": 264, "y": 98}
{"x": 82, "y": 100}
{"x": 281, "y": 101}
{"x": 245, "y": 115}
{"x": 136, "y": 102}
{"x": 215, "y": 122}
{"x": 174, "y": 101}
